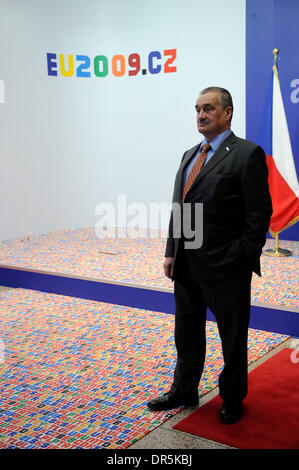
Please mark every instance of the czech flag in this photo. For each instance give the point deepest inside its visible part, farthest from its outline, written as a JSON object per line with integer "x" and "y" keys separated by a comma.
{"x": 275, "y": 140}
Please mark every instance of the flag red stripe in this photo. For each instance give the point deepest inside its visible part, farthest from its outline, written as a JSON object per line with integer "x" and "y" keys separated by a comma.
{"x": 284, "y": 201}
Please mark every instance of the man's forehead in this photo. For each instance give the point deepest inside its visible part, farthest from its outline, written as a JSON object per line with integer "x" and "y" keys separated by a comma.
{"x": 212, "y": 97}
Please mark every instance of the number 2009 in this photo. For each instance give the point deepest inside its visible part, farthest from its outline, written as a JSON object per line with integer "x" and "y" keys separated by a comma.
{"x": 118, "y": 64}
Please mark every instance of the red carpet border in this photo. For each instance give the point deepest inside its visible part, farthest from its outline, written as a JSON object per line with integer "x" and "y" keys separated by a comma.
{"x": 271, "y": 412}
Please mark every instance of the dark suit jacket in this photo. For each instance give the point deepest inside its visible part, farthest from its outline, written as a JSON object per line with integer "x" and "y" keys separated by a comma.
{"x": 233, "y": 187}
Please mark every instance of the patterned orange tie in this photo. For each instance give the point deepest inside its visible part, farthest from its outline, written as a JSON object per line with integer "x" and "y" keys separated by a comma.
{"x": 196, "y": 169}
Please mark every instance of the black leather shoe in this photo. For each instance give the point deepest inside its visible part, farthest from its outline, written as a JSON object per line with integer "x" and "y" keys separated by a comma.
{"x": 231, "y": 412}
{"x": 170, "y": 400}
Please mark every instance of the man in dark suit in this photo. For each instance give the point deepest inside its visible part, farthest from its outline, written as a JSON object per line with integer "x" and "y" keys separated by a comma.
{"x": 228, "y": 176}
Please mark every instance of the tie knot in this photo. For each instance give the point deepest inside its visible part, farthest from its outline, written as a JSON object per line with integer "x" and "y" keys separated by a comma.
{"x": 206, "y": 148}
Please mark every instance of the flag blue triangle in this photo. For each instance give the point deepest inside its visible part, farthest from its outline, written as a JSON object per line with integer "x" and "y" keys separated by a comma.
{"x": 265, "y": 132}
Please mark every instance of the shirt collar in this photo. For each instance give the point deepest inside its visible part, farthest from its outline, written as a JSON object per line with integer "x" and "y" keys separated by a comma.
{"x": 217, "y": 141}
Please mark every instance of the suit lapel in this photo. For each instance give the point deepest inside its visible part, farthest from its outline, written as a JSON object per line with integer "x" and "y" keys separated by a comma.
{"x": 222, "y": 152}
{"x": 190, "y": 154}
{"x": 218, "y": 156}
{"x": 188, "y": 157}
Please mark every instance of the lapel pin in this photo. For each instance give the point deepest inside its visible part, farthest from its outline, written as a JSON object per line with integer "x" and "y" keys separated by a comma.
{"x": 227, "y": 148}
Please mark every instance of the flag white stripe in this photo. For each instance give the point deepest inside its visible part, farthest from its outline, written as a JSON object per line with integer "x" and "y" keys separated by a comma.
{"x": 281, "y": 144}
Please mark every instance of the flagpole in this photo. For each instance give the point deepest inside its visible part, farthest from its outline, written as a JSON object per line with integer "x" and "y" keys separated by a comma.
{"x": 277, "y": 252}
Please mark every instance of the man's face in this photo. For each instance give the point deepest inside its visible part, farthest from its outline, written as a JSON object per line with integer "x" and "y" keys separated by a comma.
{"x": 211, "y": 118}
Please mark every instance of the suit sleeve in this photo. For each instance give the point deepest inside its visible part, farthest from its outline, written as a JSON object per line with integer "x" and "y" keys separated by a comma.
{"x": 170, "y": 244}
{"x": 257, "y": 204}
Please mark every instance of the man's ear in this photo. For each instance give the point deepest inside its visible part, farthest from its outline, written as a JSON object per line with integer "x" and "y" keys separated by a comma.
{"x": 229, "y": 111}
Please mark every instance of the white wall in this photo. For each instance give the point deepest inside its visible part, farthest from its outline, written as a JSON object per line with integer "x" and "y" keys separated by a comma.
{"x": 67, "y": 144}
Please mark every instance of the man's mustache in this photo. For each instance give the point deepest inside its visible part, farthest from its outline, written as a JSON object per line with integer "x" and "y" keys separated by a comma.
{"x": 204, "y": 121}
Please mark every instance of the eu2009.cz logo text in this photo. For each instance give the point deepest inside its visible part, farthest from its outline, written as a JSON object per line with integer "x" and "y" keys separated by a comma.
{"x": 119, "y": 65}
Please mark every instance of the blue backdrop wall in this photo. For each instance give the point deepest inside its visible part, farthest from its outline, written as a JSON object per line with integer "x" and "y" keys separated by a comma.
{"x": 273, "y": 24}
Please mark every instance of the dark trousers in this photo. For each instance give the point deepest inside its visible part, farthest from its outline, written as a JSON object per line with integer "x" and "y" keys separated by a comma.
{"x": 229, "y": 301}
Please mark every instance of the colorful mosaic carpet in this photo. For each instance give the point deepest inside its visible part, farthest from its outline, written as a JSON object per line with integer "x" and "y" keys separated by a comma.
{"x": 76, "y": 373}
{"x": 120, "y": 258}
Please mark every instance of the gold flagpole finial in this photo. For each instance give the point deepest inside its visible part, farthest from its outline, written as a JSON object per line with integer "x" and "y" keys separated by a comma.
{"x": 275, "y": 52}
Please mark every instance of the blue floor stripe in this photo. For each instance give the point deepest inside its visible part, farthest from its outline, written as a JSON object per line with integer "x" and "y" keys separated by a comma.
{"x": 262, "y": 318}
